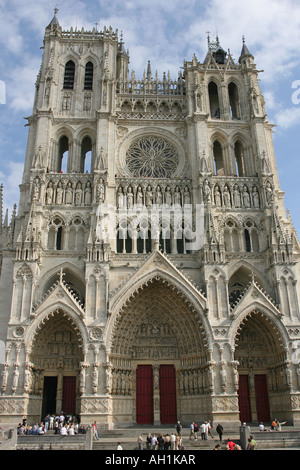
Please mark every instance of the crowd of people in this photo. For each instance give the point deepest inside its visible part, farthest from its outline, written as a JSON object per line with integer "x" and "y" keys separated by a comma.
{"x": 168, "y": 441}
{"x": 61, "y": 424}
{"x": 205, "y": 430}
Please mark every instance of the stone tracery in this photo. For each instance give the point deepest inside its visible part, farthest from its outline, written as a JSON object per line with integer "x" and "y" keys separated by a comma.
{"x": 152, "y": 157}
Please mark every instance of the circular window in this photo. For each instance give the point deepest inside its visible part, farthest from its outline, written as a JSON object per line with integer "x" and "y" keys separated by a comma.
{"x": 152, "y": 157}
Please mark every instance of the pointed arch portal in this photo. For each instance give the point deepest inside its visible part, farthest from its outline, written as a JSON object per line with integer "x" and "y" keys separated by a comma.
{"x": 55, "y": 357}
{"x": 262, "y": 367}
{"x": 159, "y": 354}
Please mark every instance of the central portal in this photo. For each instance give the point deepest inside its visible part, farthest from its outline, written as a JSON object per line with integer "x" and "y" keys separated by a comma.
{"x": 147, "y": 392}
{"x": 159, "y": 357}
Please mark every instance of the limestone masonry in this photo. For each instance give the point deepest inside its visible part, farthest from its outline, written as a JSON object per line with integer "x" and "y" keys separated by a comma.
{"x": 149, "y": 274}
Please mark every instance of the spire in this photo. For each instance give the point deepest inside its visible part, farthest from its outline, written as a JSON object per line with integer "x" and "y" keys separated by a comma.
{"x": 245, "y": 50}
{"x": 149, "y": 72}
{"x": 215, "y": 49}
{"x": 54, "y": 21}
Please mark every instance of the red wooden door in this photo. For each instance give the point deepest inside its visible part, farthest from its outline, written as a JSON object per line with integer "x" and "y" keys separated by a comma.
{"x": 167, "y": 390}
{"x": 244, "y": 400}
{"x": 69, "y": 395}
{"x": 262, "y": 398}
{"x": 144, "y": 395}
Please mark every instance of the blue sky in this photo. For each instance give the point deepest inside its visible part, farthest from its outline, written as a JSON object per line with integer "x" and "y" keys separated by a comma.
{"x": 167, "y": 33}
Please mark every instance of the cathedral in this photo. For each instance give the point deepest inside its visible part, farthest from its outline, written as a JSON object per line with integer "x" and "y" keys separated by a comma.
{"x": 149, "y": 273}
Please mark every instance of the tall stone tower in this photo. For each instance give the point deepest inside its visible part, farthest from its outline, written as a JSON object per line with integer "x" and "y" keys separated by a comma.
{"x": 150, "y": 271}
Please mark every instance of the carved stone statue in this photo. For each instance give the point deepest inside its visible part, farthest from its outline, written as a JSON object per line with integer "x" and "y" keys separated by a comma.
{"x": 69, "y": 194}
{"x": 246, "y": 198}
{"x": 88, "y": 194}
{"x": 59, "y": 194}
{"x": 49, "y": 193}
{"x": 100, "y": 192}
{"x": 78, "y": 194}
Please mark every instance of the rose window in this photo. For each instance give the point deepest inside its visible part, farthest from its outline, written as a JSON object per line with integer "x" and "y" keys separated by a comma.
{"x": 152, "y": 157}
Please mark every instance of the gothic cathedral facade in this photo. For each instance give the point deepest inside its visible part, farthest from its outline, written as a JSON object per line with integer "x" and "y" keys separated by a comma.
{"x": 150, "y": 272}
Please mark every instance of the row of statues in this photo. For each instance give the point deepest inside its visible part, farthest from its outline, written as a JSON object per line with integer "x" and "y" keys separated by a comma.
{"x": 74, "y": 194}
{"x": 236, "y": 197}
{"x": 152, "y": 196}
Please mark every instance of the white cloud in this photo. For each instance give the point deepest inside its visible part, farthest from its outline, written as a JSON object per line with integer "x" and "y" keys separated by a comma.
{"x": 288, "y": 118}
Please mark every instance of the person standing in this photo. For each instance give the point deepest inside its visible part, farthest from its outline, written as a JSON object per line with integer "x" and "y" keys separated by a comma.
{"x": 178, "y": 428}
{"x": 140, "y": 442}
{"x": 153, "y": 442}
{"x": 209, "y": 426}
{"x": 95, "y": 431}
{"x": 191, "y": 430}
{"x": 202, "y": 431}
{"x": 173, "y": 440}
{"x": 220, "y": 431}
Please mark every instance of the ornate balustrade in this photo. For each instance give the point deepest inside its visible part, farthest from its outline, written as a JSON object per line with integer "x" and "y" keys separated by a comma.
{"x": 153, "y": 87}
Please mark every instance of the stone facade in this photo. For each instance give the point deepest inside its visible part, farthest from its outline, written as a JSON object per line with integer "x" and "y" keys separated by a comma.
{"x": 151, "y": 231}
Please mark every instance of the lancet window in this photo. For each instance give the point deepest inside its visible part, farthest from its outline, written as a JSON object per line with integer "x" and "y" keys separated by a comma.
{"x": 69, "y": 76}
{"x": 88, "y": 77}
{"x": 214, "y": 100}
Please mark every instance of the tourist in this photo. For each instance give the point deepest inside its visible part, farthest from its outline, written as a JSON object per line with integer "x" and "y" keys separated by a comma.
{"x": 230, "y": 444}
{"x": 250, "y": 445}
{"x": 191, "y": 430}
{"x": 253, "y": 442}
{"x": 173, "y": 440}
{"x": 220, "y": 431}
{"x": 196, "y": 430}
{"x": 63, "y": 430}
{"x": 51, "y": 422}
{"x": 218, "y": 447}
{"x": 206, "y": 430}
{"x": 167, "y": 442}
{"x": 209, "y": 429}
{"x": 178, "y": 442}
{"x": 161, "y": 442}
{"x": 273, "y": 425}
{"x": 278, "y": 425}
{"x": 95, "y": 430}
{"x": 261, "y": 426}
{"x": 35, "y": 429}
{"x": 153, "y": 442}
{"x": 41, "y": 429}
{"x": 56, "y": 426}
{"x": 119, "y": 447}
{"x": 148, "y": 441}
{"x": 71, "y": 430}
{"x": 178, "y": 428}
{"x": 203, "y": 431}
{"x": 46, "y": 422}
{"x": 81, "y": 429}
{"x": 140, "y": 442}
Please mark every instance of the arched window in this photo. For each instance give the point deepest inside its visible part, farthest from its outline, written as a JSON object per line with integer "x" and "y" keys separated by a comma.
{"x": 86, "y": 155}
{"x": 55, "y": 235}
{"x": 59, "y": 238}
{"x": 214, "y": 100}
{"x": 247, "y": 241}
{"x": 218, "y": 159}
{"x": 234, "y": 101}
{"x": 88, "y": 78}
{"x": 69, "y": 75}
{"x": 239, "y": 159}
{"x": 63, "y": 154}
